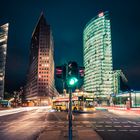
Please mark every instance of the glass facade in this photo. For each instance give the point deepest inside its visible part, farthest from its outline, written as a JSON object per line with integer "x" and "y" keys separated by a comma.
{"x": 3, "y": 50}
{"x": 98, "y": 56}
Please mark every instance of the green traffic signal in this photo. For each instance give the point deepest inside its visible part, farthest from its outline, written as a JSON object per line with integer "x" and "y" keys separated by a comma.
{"x": 72, "y": 81}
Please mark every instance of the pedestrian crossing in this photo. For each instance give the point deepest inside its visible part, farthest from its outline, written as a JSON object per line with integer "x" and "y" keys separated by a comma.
{"x": 108, "y": 126}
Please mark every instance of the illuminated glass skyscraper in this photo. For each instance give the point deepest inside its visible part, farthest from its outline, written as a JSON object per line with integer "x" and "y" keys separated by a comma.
{"x": 98, "y": 56}
{"x": 3, "y": 50}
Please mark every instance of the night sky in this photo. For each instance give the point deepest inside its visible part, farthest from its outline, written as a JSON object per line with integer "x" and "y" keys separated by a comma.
{"x": 67, "y": 19}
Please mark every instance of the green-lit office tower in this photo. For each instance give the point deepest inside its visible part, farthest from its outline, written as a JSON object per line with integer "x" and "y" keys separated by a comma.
{"x": 98, "y": 56}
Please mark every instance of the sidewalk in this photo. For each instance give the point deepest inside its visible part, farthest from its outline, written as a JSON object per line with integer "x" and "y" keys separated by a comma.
{"x": 5, "y": 108}
{"x": 123, "y": 109}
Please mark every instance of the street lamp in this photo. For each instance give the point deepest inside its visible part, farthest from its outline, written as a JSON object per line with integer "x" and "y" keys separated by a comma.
{"x": 130, "y": 98}
{"x": 135, "y": 99}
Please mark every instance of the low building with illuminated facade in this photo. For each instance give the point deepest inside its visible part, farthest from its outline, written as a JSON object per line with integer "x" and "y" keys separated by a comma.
{"x": 97, "y": 53}
{"x": 40, "y": 79}
{"x": 3, "y": 52}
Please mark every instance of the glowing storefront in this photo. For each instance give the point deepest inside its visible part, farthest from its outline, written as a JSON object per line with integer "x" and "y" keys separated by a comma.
{"x": 98, "y": 56}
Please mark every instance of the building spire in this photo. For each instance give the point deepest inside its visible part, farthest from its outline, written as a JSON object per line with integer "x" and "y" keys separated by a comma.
{"x": 41, "y": 19}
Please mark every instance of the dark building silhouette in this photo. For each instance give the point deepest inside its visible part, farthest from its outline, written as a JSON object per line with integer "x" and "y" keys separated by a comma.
{"x": 40, "y": 78}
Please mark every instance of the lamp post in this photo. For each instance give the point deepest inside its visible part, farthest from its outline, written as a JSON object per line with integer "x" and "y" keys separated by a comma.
{"x": 130, "y": 99}
{"x": 135, "y": 99}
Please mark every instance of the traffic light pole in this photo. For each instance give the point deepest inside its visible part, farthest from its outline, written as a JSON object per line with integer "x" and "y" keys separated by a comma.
{"x": 70, "y": 114}
{"x": 70, "y": 73}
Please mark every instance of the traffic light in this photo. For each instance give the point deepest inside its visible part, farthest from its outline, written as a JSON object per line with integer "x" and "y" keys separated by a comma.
{"x": 61, "y": 72}
{"x": 72, "y": 69}
{"x": 81, "y": 72}
{"x": 72, "y": 81}
{"x": 72, "y": 74}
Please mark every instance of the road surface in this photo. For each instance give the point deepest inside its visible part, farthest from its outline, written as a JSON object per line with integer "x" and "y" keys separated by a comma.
{"x": 29, "y": 124}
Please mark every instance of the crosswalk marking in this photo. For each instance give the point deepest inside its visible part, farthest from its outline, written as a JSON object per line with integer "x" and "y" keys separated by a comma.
{"x": 126, "y": 126}
{"x": 133, "y": 130}
{"x": 136, "y": 126}
{"x": 108, "y": 126}
{"x": 115, "y": 119}
{"x": 100, "y": 122}
{"x": 124, "y": 122}
{"x": 108, "y": 122}
{"x": 116, "y": 122}
{"x": 99, "y": 125}
{"x": 111, "y": 130}
{"x": 78, "y": 126}
{"x": 100, "y": 130}
{"x": 123, "y": 130}
{"x": 118, "y": 126}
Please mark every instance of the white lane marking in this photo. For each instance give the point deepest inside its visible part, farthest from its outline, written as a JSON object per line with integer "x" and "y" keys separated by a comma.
{"x": 99, "y": 125}
{"x": 133, "y": 130}
{"x": 126, "y": 126}
{"x": 136, "y": 126}
{"x": 132, "y": 123}
{"x": 100, "y": 122}
{"x": 111, "y": 130}
{"x": 116, "y": 122}
{"x": 108, "y": 122}
{"x": 124, "y": 122}
{"x": 123, "y": 130}
{"x": 117, "y": 126}
{"x": 100, "y": 130}
{"x": 79, "y": 126}
{"x": 108, "y": 126}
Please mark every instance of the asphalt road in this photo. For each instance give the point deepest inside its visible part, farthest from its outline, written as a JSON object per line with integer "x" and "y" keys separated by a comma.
{"x": 25, "y": 125}
{"x": 29, "y": 124}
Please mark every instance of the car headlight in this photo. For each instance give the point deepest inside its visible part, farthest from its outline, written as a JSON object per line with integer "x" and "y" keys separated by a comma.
{"x": 85, "y": 109}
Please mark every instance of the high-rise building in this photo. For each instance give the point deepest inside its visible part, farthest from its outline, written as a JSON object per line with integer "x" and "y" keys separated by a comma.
{"x": 40, "y": 78}
{"x": 119, "y": 81}
{"x": 98, "y": 56}
{"x": 3, "y": 52}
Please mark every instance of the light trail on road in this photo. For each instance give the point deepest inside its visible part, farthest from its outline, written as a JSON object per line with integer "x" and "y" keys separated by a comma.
{"x": 23, "y": 123}
{"x": 17, "y": 110}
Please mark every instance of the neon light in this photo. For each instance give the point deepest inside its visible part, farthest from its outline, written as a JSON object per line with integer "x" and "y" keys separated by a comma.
{"x": 101, "y": 14}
